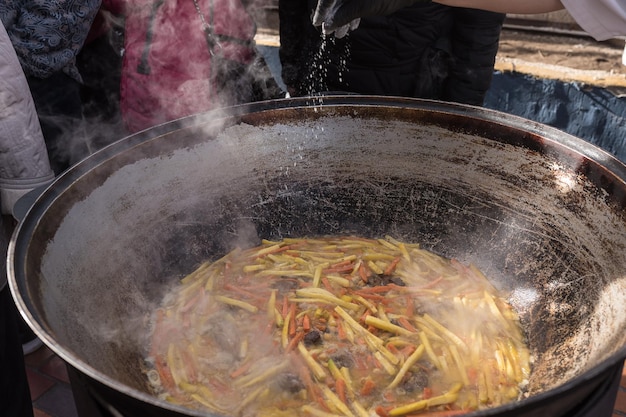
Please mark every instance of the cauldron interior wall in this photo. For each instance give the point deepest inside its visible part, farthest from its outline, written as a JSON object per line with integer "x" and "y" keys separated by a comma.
{"x": 145, "y": 212}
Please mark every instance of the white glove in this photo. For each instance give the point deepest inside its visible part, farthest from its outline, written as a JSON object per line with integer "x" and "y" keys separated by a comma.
{"x": 340, "y": 16}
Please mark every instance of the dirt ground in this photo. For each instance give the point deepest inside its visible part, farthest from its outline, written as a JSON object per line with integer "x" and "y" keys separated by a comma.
{"x": 577, "y": 52}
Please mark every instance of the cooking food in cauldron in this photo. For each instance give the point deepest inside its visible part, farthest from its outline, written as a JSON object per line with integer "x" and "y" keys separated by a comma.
{"x": 337, "y": 326}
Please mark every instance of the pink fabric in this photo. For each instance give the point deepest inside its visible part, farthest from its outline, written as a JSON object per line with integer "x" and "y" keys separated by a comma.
{"x": 179, "y": 60}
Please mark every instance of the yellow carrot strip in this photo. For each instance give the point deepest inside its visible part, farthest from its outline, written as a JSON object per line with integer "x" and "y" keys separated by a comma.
{"x": 371, "y": 307}
{"x": 237, "y": 303}
{"x": 372, "y": 265}
{"x": 317, "y": 275}
{"x": 429, "y": 350}
{"x": 285, "y": 273}
{"x": 324, "y": 295}
{"x": 391, "y": 370}
{"x": 410, "y": 361}
{"x": 447, "y": 398}
{"x": 250, "y": 397}
{"x": 316, "y": 412}
{"x": 334, "y": 371}
{"x": 315, "y": 367}
{"x": 382, "y": 314}
{"x": 339, "y": 280}
{"x": 284, "y": 334}
{"x": 460, "y": 364}
{"x": 278, "y": 318}
{"x": 266, "y": 250}
{"x": 334, "y": 402}
{"x": 489, "y": 384}
{"x": 210, "y": 282}
{"x": 447, "y": 333}
{"x": 387, "y": 326}
{"x": 271, "y": 305}
{"x": 360, "y": 410}
{"x": 255, "y": 378}
{"x": 345, "y": 372}
{"x": 253, "y": 268}
{"x": 201, "y": 394}
{"x": 387, "y": 244}
{"x": 174, "y": 363}
{"x": 495, "y": 310}
{"x": 408, "y": 408}
{"x": 483, "y": 395}
{"x": 195, "y": 274}
{"x": 373, "y": 341}
{"x": 243, "y": 348}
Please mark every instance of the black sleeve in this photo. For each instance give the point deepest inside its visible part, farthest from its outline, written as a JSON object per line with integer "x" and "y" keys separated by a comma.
{"x": 474, "y": 43}
{"x": 299, "y": 39}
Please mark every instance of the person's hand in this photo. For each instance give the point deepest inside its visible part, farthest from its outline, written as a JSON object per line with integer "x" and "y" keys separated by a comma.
{"x": 341, "y": 16}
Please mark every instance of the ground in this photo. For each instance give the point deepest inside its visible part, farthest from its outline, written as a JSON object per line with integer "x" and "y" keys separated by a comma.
{"x": 578, "y": 52}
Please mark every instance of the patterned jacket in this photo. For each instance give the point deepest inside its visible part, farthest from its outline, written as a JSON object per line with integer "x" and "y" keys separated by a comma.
{"x": 48, "y": 34}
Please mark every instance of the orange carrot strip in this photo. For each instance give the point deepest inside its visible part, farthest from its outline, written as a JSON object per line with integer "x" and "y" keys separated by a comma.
{"x": 378, "y": 288}
{"x": 343, "y": 266}
{"x": 192, "y": 302}
{"x": 167, "y": 380}
{"x": 276, "y": 250}
{"x": 408, "y": 350}
{"x": 404, "y": 322}
{"x": 341, "y": 331}
{"x": 363, "y": 273}
{"x": 339, "y": 269}
{"x": 242, "y": 291}
{"x": 368, "y": 387}
{"x": 313, "y": 390}
{"x": 294, "y": 342}
{"x": 340, "y": 387}
{"x": 433, "y": 282}
{"x": 285, "y": 309}
{"x": 410, "y": 307}
{"x": 389, "y": 396}
{"x": 241, "y": 370}
{"x": 292, "y": 320}
{"x": 391, "y": 348}
{"x": 306, "y": 323}
{"x": 444, "y": 413}
{"x": 472, "y": 374}
{"x": 392, "y": 266}
{"x": 369, "y": 296}
{"x": 382, "y": 411}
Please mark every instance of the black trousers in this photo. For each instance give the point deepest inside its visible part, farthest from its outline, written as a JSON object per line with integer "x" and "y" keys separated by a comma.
{"x": 15, "y": 400}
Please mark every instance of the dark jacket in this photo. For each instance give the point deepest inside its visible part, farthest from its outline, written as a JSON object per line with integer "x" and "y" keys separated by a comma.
{"x": 426, "y": 51}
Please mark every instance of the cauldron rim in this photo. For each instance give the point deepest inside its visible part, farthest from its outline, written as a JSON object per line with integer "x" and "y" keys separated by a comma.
{"x": 54, "y": 190}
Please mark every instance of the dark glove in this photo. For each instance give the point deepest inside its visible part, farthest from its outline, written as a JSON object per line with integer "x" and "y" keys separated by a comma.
{"x": 343, "y": 15}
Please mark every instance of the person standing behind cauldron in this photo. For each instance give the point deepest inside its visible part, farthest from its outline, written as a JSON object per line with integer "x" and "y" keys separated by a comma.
{"x": 424, "y": 50}
{"x": 602, "y": 19}
{"x": 47, "y": 36}
{"x": 183, "y": 57}
{"x": 24, "y": 166}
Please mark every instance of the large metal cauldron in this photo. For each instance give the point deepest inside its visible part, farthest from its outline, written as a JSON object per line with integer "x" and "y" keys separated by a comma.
{"x": 540, "y": 212}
